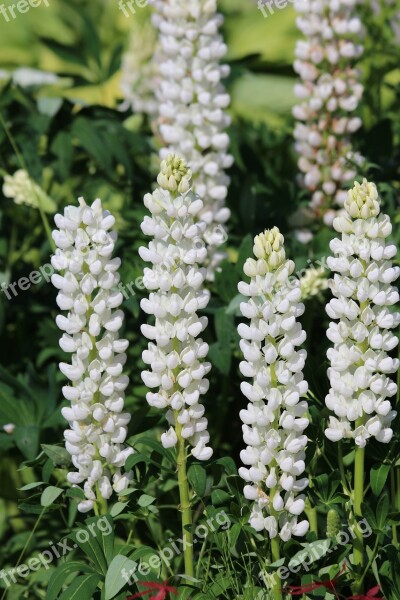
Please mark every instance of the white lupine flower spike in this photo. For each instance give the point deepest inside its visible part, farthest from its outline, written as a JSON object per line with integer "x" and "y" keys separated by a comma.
{"x": 192, "y": 102}
{"x": 175, "y": 354}
{"x": 86, "y": 284}
{"x": 329, "y": 91}
{"x": 276, "y": 416}
{"x": 360, "y": 366}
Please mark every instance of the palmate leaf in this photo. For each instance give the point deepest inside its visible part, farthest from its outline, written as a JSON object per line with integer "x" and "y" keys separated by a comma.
{"x": 92, "y": 548}
{"x": 61, "y": 575}
{"x": 378, "y": 477}
{"x": 114, "y": 579}
{"x": 81, "y": 587}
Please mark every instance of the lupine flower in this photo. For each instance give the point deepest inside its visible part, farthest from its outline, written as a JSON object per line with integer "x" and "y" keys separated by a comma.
{"x": 175, "y": 353}
{"x": 313, "y": 282}
{"x": 330, "y": 92}
{"x": 9, "y": 428}
{"x": 23, "y": 190}
{"x": 88, "y": 276}
{"x": 276, "y": 415}
{"x": 363, "y": 295}
{"x": 140, "y": 67}
{"x": 192, "y": 103}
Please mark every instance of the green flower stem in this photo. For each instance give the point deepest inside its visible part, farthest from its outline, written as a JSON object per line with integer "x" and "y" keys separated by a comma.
{"x": 311, "y": 514}
{"x": 358, "y": 482}
{"x": 275, "y": 548}
{"x": 101, "y": 503}
{"x": 185, "y": 506}
{"x": 358, "y": 497}
{"x": 275, "y": 553}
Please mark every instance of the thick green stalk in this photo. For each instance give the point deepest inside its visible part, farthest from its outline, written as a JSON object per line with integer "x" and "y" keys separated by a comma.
{"x": 358, "y": 482}
{"x": 275, "y": 553}
{"x": 311, "y": 514}
{"x": 101, "y": 503}
{"x": 185, "y": 506}
{"x": 358, "y": 498}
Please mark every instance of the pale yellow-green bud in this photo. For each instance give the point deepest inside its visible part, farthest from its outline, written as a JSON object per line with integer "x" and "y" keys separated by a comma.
{"x": 313, "y": 282}
{"x": 268, "y": 246}
{"x": 23, "y": 190}
{"x": 175, "y": 175}
{"x": 362, "y": 201}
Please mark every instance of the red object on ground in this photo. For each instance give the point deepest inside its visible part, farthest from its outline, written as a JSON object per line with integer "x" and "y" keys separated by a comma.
{"x": 163, "y": 590}
{"x": 370, "y": 595}
{"x": 298, "y": 590}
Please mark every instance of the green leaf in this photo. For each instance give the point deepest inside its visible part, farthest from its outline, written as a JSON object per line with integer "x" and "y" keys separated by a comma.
{"x": 58, "y": 454}
{"x": 220, "y": 357}
{"x": 198, "y": 479}
{"x": 378, "y": 476}
{"x": 114, "y": 579}
{"x": 27, "y": 440}
{"x": 146, "y": 500}
{"x": 135, "y": 459}
{"x": 157, "y": 447}
{"x": 81, "y": 587}
{"x": 106, "y": 539}
{"x": 228, "y": 464}
{"x": 93, "y": 142}
{"x": 118, "y": 508}
{"x": 219, "y": 497}
{"x": 312, "y": 552}
{"x": 91, "y": 547}
{"x": 31, "y": 486}
{"x": 234, "y": 533}
{"x": 226, "y": 282}
{"x": 49, "y": 495}
{"x": 245, "y": 251}
{"x": 382, "y": 511}
{"x": 61, "y": 574}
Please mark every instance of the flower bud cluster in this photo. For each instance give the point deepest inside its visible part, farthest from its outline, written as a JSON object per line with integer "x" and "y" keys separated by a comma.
{"x": 23, "y": 190}
{"x": 175, "y": 354}
{"x": 276, "y": 415}
{"x": 86, "y": 280}
{"x": 329, "y": 92}
{"x": 313, "y": 282}
{"x": 192, "y": 102}
{"x": 360, "y": 364}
